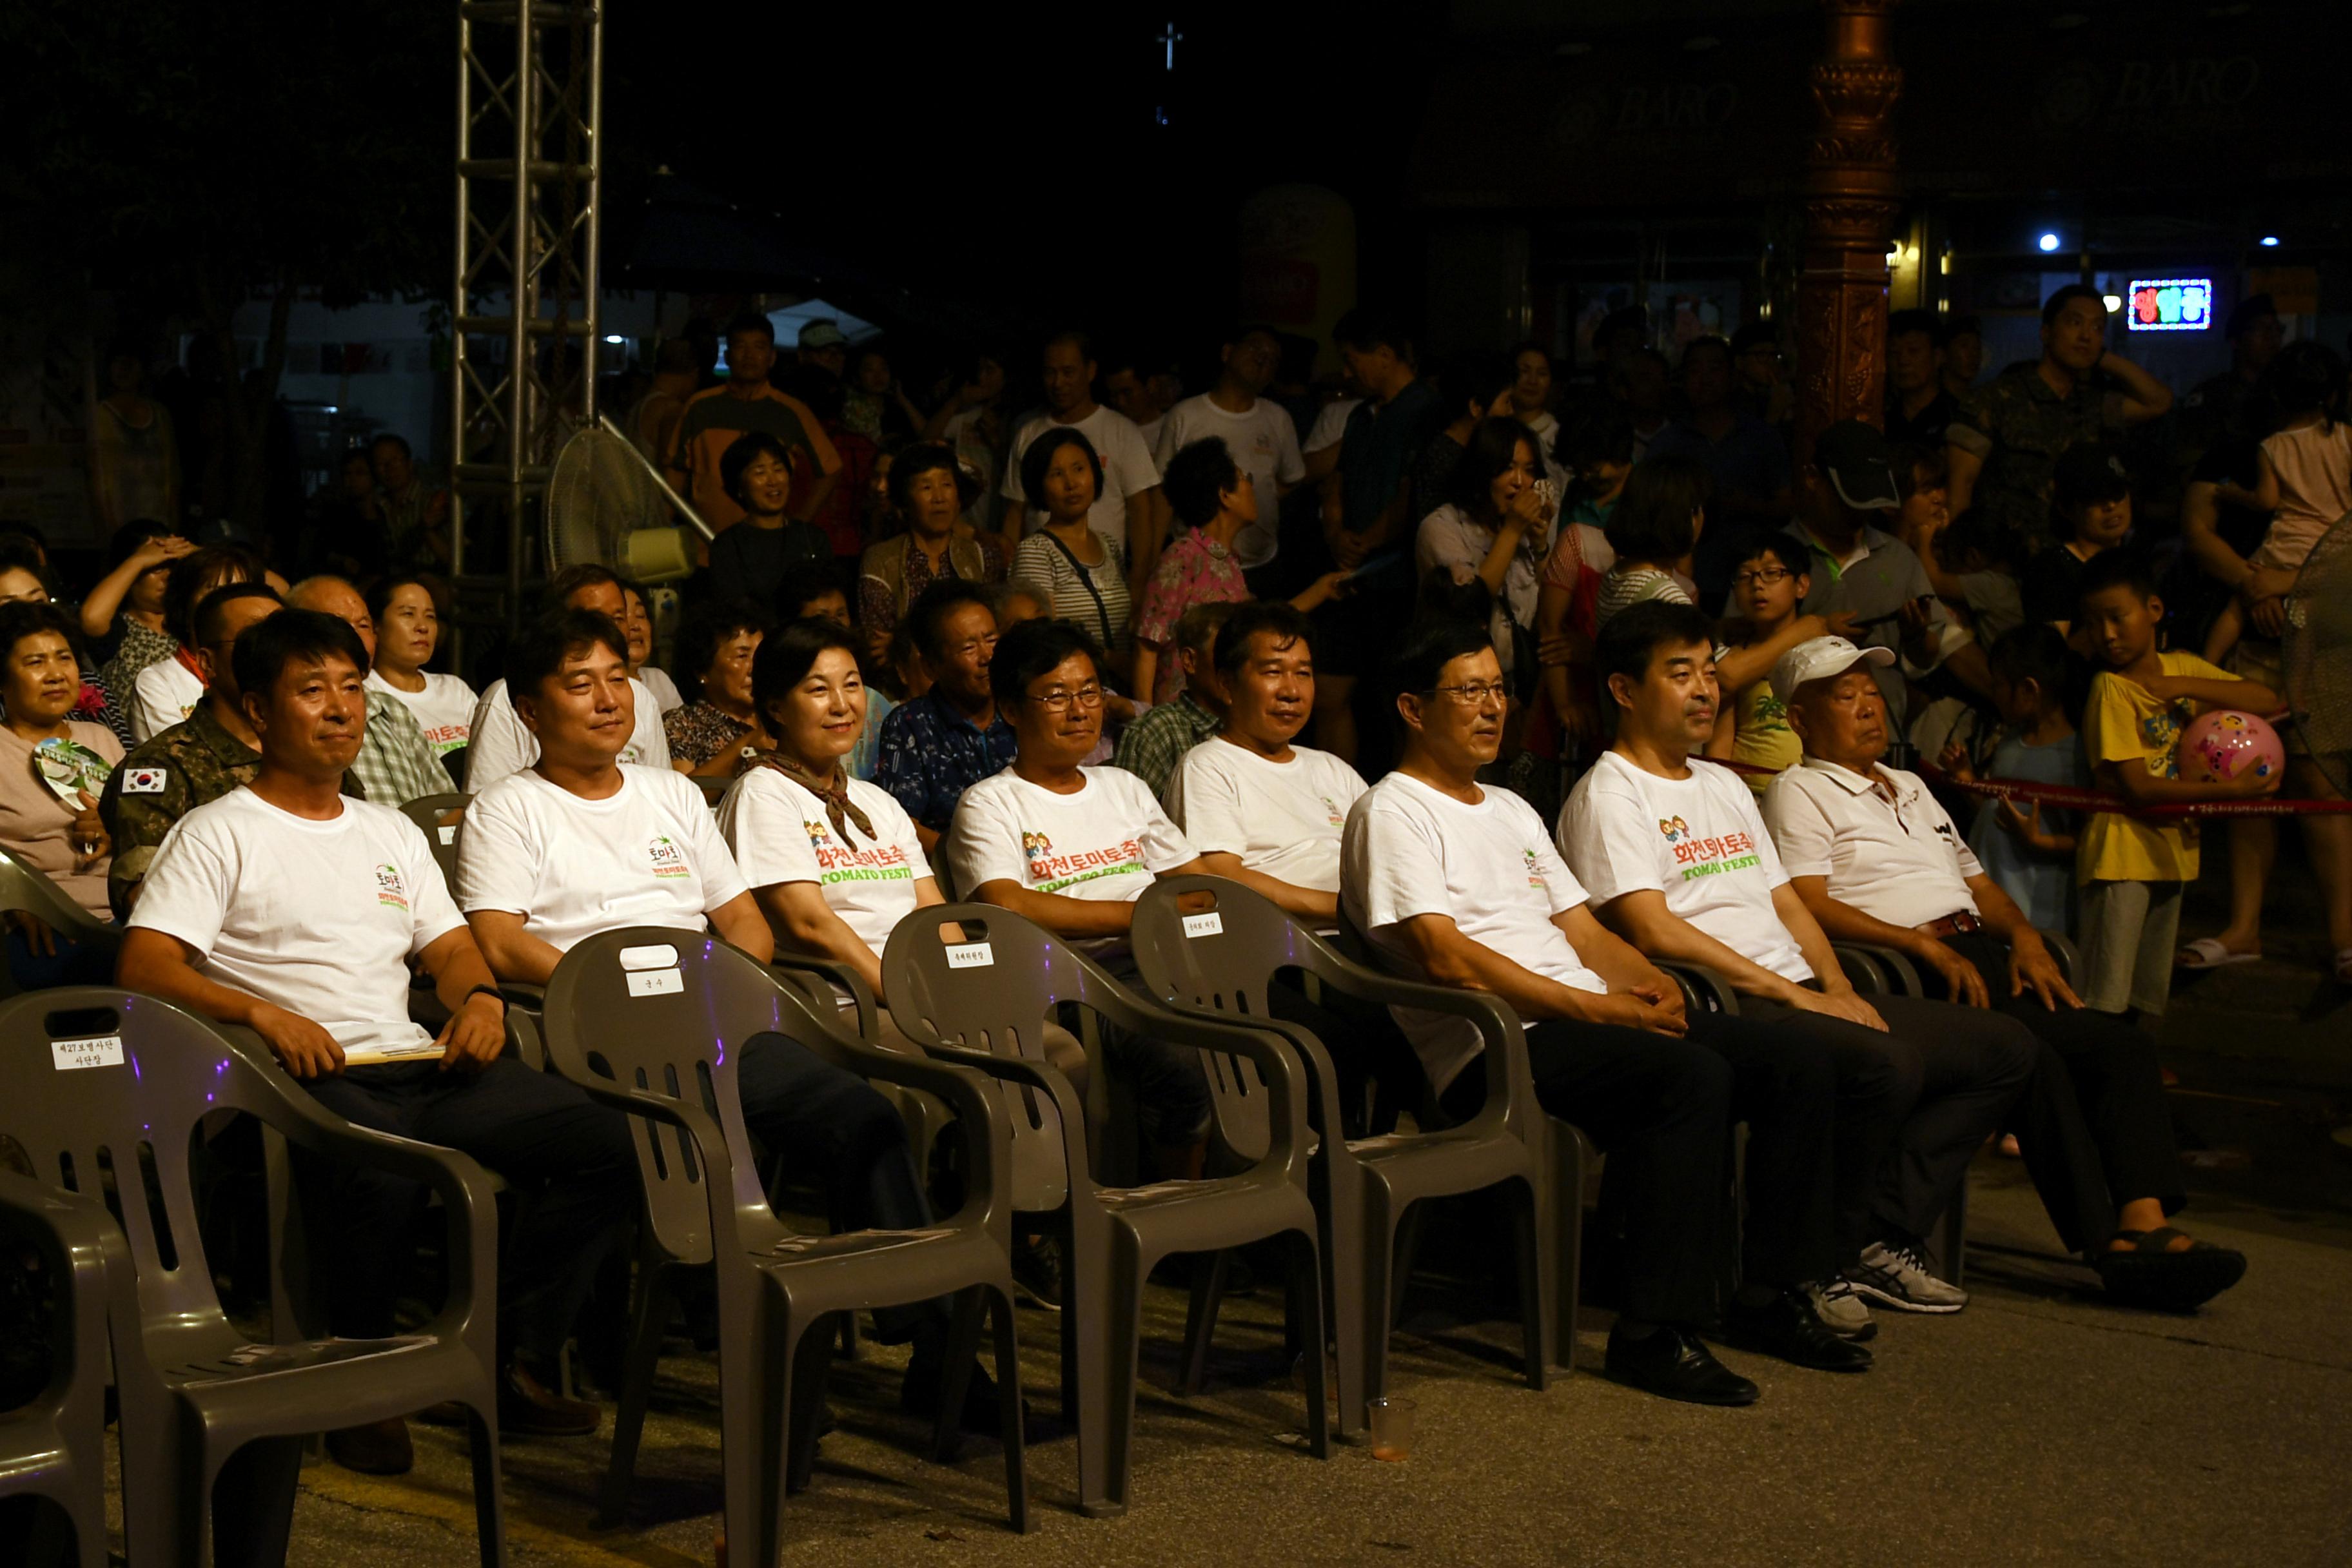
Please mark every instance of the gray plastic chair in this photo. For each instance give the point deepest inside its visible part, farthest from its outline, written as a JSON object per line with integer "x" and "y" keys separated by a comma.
{"x": 1364, "y": 1187}
{"x": 438, "y": 816}
{"x": 651, "y": 1020}
{"x": 105, "y": 1090}
{"x": 983, "y": 1000}
{"x": 24, "y": 890}
{"x": 54, "y": 1447}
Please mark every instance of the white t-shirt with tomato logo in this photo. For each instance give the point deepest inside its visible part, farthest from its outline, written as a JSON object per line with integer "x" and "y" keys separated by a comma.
{"x": 1700, "y": 841}
{"x": 319, "y": 918}
{"x": 780, "y": 832}
{"x": 1106, "y": 842}
{"x": 648, "y": 854}
{"x": 1281, "y": 818}
{"x": 1488, "y": 867}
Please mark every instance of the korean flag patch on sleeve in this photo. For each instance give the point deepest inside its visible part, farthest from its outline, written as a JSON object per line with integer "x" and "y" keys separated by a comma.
{"x": 143, "y": 780}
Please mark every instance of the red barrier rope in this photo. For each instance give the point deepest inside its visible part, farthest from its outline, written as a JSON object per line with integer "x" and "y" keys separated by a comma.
{"x": 2029, "y": 794}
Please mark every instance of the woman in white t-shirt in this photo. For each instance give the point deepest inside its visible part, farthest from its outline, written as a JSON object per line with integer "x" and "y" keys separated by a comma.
{"x": 407, "y": 633}
{"x": 1495, "y": 530}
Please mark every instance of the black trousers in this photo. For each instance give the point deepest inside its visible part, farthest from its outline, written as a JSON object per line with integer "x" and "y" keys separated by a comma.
{"x": 1365, "y": 1045}
{"x": 567, "y": 1158}
{"x": 828, "y": 1124}
{"x": 1917, "y": 1099}
{"x": 2092, "y": 1123}
{"x": 1662, "y": 1109}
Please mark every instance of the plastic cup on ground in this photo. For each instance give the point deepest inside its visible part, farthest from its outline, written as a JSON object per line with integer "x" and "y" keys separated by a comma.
{"x": 1391, "y": 1424}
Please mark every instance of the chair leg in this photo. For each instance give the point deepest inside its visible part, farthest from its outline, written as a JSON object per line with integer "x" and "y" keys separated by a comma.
{"x": 1008, "y": 1392}
{"x": 1408, "y": 1248}
{"x": 1307, "y": 1319}
{"x": 1106, "y": 1281}
{"x": 1567, "y": 1238}
{"x": 955, "y": 1376}
{"x": 1341, "y": 1220}
{"x": 489, "y": 1508}
{"x": 809, "y": 1355}
{"x": 1528, "y": 1223}
{"x": 649, "y": 1318}
{"x": 1209, "y": 1275}
{"x": 753, "y": 1381}
{"x": 1375, "y": 1291}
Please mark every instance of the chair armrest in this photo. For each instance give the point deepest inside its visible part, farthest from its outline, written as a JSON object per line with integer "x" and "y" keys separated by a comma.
{"x": 1703, "y": 989}
{"x": 1898, "y": 975}
{"x": 709, "y": 1144}
{"x": 519, "y": 994}
{"x": 2062, "y": 949}
{"x": 869, "y": 1011}
{"x": 1323, "y": 1079}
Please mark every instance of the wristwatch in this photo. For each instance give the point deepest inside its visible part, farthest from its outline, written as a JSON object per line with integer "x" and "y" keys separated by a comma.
{"x": 490, "y": 991}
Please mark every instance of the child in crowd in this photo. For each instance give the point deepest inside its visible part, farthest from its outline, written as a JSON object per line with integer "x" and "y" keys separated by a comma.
{"x": 2091, "y": 511}
{"x": 1653, "y": 530}
{"x": 2029, "y": 851}
{"x": 1769, "y": 581}
{"x": 2131, "y": 870}
{"x": 2302, "y": 477}
{"x": 1964, "y": 566}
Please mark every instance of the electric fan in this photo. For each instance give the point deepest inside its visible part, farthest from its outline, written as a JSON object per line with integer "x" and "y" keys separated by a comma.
{"x": 607, "y": 506}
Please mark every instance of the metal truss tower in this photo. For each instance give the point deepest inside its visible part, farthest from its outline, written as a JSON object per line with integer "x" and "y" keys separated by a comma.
{"x": 523, "y": 337}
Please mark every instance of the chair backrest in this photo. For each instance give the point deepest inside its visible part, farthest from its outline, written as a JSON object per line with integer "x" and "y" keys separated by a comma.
{"x": 440, "y": 815}
{"x": 982, "y": 978}
{"x": 23, "y": 888}
{"x": 104, "y": 1091}
{"x": 667, "y": 1012}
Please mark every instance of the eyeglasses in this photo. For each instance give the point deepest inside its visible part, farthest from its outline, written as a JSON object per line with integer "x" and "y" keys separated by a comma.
{"x": 1764, "y": 577}
{"x": 1058, "y": 700}
{"x": 1475, "y": 696}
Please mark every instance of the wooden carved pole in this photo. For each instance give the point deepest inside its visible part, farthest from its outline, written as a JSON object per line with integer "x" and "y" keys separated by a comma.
{"x": 1850, "y": 202}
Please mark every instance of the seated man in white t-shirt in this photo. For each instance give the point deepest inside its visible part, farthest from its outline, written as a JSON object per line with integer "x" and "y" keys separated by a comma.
{"x": 1071, "y": 847}
{"x": 1680, "y": 864}
{"x": 580, "y": 843}
{"x": 1878, "y": 859}
{"x": 500, "y": 743}
{"x": 287, "y": 908}
{"x": 1458, "y": 884}
{"x": 1268, "y": 814}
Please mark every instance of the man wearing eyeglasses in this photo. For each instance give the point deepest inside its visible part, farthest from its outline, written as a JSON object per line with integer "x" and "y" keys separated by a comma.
{"x": 1071, "y": 847}
{"x": 1458, "y": 883}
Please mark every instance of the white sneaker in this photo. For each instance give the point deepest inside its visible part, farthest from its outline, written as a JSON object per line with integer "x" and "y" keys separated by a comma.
{"x": 1841, "y": 1309}
{"x": 1897, "y": 1276}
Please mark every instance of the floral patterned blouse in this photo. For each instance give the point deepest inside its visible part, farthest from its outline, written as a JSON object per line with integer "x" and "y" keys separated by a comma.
{"x": 1193, "y": 570}
{"x": 699, "y": 732}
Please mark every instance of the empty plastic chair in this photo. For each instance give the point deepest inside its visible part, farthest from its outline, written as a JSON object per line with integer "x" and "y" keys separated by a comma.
{"x": 105, "y": 1088}
{"x": 26, "y": 890}
{"x": 653, "y": 1021}
{"x": 978, "y": 992}
{"x": 1221, "y": 955}
{"x": 55, "y": 1445}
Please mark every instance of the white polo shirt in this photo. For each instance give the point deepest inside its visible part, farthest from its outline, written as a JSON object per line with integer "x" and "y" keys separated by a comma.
{"x": 1901, "y": 861}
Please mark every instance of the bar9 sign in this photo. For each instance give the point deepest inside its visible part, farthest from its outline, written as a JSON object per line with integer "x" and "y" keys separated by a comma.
{"x": 2170, "y": 305}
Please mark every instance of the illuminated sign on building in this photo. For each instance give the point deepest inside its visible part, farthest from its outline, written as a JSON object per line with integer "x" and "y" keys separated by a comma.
{"x": 2170, "y": 305}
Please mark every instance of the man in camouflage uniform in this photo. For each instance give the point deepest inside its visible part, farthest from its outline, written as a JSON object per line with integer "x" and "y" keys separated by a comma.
{"x": 200, "y": 759}
{"x": 2007, "y": 437}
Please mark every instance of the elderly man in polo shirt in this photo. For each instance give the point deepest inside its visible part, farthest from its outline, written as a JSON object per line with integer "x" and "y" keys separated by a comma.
{"x": 1876, "y": 859}
{"x": 1870, "y": 574}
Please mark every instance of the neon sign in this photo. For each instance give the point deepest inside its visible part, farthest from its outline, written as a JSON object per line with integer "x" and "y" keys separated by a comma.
{"x": 2170, "y": 305}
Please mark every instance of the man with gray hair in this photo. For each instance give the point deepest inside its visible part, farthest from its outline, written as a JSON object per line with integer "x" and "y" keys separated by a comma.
{"x": 395, "y": 764}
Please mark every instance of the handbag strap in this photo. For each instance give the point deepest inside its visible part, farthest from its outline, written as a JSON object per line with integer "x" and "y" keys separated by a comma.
{"x": 1085, "y": 579}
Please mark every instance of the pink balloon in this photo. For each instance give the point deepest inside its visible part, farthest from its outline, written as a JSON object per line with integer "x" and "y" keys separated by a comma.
{"x": 2224, "y": 743}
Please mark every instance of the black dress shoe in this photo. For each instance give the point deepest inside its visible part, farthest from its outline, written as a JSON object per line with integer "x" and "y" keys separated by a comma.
{"x": 528, "y": 1408}
{"x": 1675, "y": 1364}
{"x": 1788, "y": 1328}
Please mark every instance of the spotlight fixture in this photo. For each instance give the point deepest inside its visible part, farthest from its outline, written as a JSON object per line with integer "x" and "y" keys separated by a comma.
{"x": 2269, "y": 242}
{"x": 2048, "y": 242}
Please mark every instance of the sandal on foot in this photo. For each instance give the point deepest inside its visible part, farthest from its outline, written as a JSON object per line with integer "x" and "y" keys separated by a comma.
{"x": 2205, "y": 953}
{"x": 2151, "y": 1276}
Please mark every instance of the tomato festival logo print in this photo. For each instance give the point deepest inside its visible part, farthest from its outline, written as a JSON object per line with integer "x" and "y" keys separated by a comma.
{"x": 837, "y": 863}
{"x": 1707, "y": 857}
{"x": 1331, "y": 810}
{"x": 1050, "y": 873}
{"x": 1535, "y": 877}
{"x": 390, "y": 889}
{"x": 667, "y": 860}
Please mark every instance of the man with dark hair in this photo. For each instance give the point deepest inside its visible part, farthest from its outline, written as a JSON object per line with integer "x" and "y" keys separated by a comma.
{"x": 1962, "y": 340}
{"x": 678, "y": 366}
{"x": 1680, "y": 864}
{"x": 1457, "y": 883}
{"x": 199, "y": 760}
{"x": 1144, "y": 388}
{"x": 1370, "y": 510}
{"x": 287, "y": 908}
{"x": 1127, "y": 511}
{"x": 1152, "y": 746}
{"x": 415, "y": 514}
{"x": 1744, "y": 456}
{"x": 1761, "y": 373}
{"x": 1918, "y": 405}
{"x": 395, "y": 764}
{"x": 2004, "y": 439}
{"x": 747, "y": 401}
{"x": 501, "y": 743}
{"x": 936, "y": 746}
{"x": 2218, "y": 410}
{"x": 1257, "y": 431}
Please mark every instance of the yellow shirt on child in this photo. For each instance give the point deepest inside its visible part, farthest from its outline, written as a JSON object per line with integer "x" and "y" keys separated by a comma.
{"x": 2124, "y": 723}
{"x": 1763, "y": 737}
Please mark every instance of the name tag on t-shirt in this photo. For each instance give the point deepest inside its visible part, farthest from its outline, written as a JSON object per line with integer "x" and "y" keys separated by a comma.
{"x": 971, "y": 955}
{"x": 98, "y": 1051}
{"x": 1209, "y": 924}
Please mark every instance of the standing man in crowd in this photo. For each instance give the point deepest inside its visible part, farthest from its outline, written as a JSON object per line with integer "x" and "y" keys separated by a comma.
{"x": 1746, "y": 458}
{"x": 1962, "y": 341}
{"x": 1679, "y": 864}
{"x": 1127, "y": 511}
{"x": 748, "y": 401}
{"x": 1918, "y": 406}
{"x": 2005, "y": 439}
{"x": 1256, "y": 430}
{"x": 415, "y": 514}
{"x": 2220, "y": 408}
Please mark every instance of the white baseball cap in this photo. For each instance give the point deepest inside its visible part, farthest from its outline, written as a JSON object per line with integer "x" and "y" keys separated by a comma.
{"x": 1819, "y": 660}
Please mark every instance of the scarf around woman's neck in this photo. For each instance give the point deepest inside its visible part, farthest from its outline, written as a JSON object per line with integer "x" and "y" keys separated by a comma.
{"x": 833, "y": 790}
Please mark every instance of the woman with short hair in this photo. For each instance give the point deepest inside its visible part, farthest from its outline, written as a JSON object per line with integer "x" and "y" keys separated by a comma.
{"x": 718, "y": 733}
{"x": 53, "y": 767}
{"x": 929, "y": 491}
